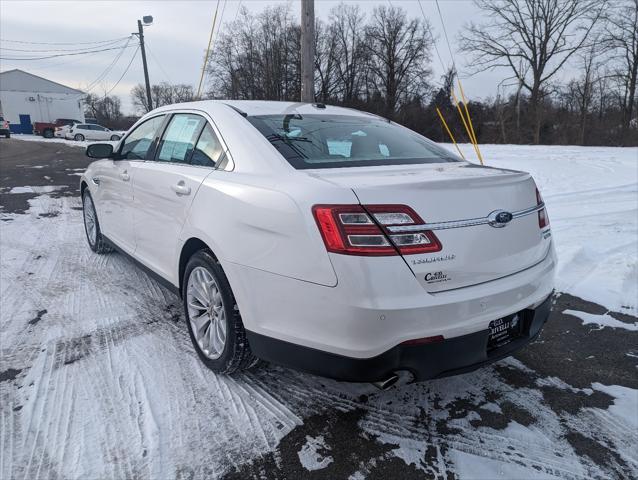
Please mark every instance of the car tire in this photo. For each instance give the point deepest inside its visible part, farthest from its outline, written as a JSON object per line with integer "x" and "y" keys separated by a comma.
{"x": 7, "y": 135}
{"x": 114, "y": 138}
{"x": 78, "y": 137}
{"x": 94, "y": 236}
{"x": 48, "y": 133}
{"x": 235, "y": 355}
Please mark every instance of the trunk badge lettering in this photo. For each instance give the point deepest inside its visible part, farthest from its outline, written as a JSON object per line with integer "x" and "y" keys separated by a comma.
{"x": 499, "y": 218}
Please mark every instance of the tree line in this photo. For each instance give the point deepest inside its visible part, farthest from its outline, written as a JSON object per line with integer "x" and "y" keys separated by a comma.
{"x": 381, "y": 62}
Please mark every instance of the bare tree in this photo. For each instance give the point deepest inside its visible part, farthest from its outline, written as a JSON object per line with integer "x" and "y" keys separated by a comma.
{"x": 326, "y": 81}
{"x": 105, "y": 109}
{"x": 161, "y": 94}
{"x": 399, "y": 53}
{"x": 535, "y": 36}
{"x": 346, "y": 27}
{"x": 583, "y": 89}
{"x": 622, "y": 37}
{"x": 258, "y": 57}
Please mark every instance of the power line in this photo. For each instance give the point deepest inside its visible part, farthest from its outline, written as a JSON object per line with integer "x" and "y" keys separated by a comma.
{"x": 157, "y": 62}
{"x": 108, "y": 69}
{"x": 125, "y": 71}
{"x": 238, "y": 10}
{"x": 60, "y": 54}
{"x": 447, "y": 40}
{"x": 62, "y": 43}
{"x": 46, "y": 50}
{"x": 429, "y": 27}
{"x": 221, "y": 25}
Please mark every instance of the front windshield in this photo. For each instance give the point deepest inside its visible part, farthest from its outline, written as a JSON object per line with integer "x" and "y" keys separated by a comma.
{"x": 331, "y": 141}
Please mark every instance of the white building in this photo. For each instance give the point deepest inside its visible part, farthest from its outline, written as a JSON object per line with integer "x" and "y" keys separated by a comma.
{"x": 26, "y": 98}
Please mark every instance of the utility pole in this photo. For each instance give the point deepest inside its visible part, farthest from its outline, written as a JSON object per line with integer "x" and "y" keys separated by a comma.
{"x": 140, "y": 33}
{"x": 308, "y": 51}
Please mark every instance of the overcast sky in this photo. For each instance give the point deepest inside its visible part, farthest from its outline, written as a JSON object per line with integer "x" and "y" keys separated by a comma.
{"x": 177, "y": 39}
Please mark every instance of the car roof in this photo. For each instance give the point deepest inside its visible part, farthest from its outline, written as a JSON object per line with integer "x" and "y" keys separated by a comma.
{"x": 268, "y": 107}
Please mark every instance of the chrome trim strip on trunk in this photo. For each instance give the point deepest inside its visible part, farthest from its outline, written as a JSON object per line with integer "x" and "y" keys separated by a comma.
{"x": 471, "y": 222}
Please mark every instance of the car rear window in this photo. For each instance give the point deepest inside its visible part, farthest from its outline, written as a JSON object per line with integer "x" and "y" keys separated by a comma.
{"x": 332, "y": 141}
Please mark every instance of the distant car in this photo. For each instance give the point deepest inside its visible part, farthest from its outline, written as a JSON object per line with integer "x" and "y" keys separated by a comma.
{"x": 47, "y": 130}
{"x": 4, "y": 127}
{"x": 89, "y": 131}
{"x": 60, "y": 132}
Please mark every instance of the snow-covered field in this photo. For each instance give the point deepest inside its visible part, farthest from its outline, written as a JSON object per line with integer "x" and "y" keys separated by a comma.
{"x": 99, "y": 379}
{"x": 592, "y": 198}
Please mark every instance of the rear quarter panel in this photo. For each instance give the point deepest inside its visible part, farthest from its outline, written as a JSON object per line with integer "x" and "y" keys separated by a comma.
{"x": 250, "y": 220}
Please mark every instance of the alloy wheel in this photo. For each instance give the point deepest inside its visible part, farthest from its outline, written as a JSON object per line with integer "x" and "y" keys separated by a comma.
{"x": 206, "y": 312}
{"x": 90, "y": 223}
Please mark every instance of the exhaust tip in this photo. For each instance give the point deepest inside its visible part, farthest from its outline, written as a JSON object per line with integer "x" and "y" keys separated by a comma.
{"x": 387, "y": 383}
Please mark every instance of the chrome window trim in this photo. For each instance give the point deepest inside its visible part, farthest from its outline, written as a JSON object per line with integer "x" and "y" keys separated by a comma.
{"x": 230, "y": 166}
{"x": 471, "y": 222}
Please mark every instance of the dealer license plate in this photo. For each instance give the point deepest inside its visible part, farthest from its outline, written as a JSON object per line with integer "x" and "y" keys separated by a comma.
{"x": 503, "y": 331}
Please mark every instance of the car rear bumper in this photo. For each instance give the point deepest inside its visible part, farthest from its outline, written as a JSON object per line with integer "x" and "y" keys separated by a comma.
{"x": 377, "y": 305}
{"x": 447, "y": 357}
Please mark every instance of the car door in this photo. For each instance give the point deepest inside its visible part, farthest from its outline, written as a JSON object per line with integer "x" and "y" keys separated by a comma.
{"x": 165, "y": 187}
{"x": 96, "y": 132}
{"x": 115, "y": 201}
{"x": 82, "y": 130}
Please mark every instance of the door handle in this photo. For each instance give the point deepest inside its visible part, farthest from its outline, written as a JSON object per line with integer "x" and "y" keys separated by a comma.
{"x": 96, "y": 180}
{"x": 181, "y": 188}
{"x": 125, "y": 176}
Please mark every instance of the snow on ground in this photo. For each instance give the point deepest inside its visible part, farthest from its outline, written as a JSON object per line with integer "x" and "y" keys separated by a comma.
{"x": 99, "y": 378}
{"x": 592, "y": 198}
{"x": 72, "y": 143}
{"x": 602, "y": 321}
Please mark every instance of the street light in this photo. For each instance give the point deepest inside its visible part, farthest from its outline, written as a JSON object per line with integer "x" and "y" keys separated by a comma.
{"x": 147, "y": 20}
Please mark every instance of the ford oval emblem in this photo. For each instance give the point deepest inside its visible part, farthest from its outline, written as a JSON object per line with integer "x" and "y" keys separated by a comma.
{"x": 499, "y": 218}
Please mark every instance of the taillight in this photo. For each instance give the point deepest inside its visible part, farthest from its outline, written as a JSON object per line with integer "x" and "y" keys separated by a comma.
{"x": 543, "y": 219}
{"x": 362, "y": 230}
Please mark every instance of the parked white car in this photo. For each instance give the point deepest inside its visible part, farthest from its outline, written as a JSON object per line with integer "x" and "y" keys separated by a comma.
{"x": 91, "y": 131}
{"x": 325, "y": 239}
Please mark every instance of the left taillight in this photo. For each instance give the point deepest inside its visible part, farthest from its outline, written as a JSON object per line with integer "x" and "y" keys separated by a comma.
{"x": 362, "y": 230}
{"x": 543, "y": 219}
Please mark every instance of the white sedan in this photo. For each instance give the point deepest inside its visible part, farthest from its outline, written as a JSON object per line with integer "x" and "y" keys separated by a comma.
{"x": 91, "y": 131}
{"x": 325, "y": 239}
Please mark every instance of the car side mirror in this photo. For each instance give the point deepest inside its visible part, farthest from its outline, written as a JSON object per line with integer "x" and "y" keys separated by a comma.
{"x": 100, "y": 150}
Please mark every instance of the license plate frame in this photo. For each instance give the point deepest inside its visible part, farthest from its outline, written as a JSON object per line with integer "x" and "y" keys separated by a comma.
{"x": 504, "y": 330}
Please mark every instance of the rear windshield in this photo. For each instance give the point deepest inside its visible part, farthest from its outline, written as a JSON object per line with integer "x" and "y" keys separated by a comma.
{"x": 331, "y": 141}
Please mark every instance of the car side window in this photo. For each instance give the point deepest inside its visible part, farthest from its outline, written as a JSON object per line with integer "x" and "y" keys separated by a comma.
{"x": 208, "y": 150}
{"x": 137, "y": 144}
{"x": 179, "y": 138}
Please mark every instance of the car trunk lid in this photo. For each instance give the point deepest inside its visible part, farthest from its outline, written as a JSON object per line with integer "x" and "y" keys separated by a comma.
{"x": 455, "y": 199}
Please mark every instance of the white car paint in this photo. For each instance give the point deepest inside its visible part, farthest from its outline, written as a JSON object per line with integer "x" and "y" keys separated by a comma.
{"x": 91, "y": 131}
{"x": 256, "y": 216}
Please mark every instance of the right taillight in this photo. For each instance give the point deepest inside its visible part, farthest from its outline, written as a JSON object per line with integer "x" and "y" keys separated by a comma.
{"x": 362, "y": 230}
{"x": 543, "y": 219}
